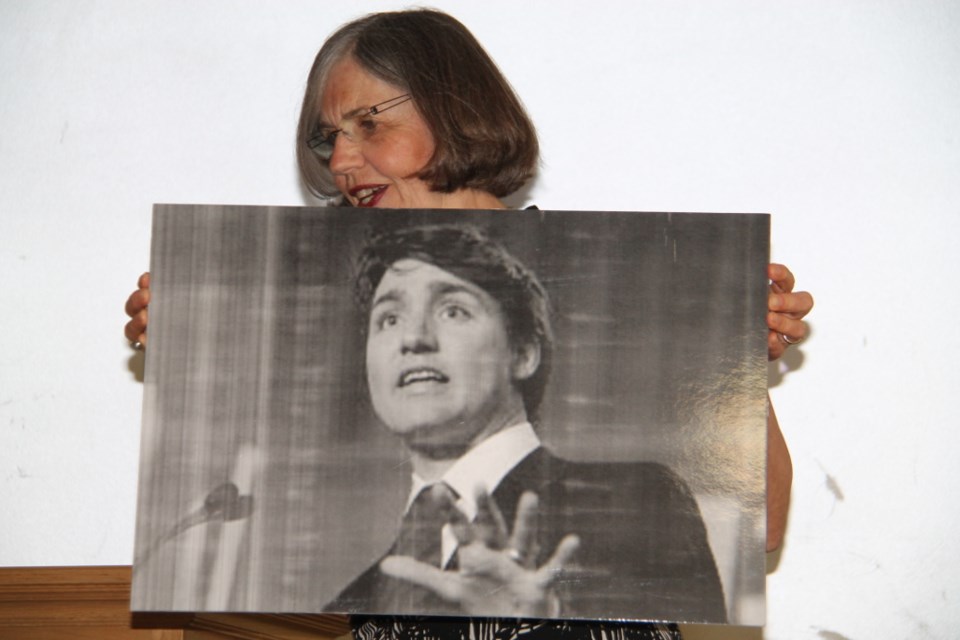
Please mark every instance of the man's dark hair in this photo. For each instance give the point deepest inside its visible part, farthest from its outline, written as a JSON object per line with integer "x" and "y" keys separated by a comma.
{"x": 468, "y": 253}
{"x": 484, "y": 138}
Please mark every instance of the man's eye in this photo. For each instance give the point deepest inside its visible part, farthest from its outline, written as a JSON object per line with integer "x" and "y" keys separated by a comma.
{"x": 455, "y": 312}
{"x": 387, "y": 320}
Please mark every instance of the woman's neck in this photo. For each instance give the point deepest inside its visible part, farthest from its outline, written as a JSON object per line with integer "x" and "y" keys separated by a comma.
{"x": 470, "y": 199}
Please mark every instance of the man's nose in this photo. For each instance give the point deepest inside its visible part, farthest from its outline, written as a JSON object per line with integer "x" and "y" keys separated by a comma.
{"x": 419, "y": 335}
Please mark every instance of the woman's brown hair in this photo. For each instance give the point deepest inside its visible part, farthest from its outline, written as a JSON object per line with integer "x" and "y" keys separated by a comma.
{"x": 484, "y": 138}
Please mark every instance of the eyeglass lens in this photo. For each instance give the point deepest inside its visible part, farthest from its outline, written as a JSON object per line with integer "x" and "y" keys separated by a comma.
{"x": 323, "y": 142}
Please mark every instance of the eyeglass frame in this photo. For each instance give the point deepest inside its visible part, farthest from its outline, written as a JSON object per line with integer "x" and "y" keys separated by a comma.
{"x": 319, "y": 141}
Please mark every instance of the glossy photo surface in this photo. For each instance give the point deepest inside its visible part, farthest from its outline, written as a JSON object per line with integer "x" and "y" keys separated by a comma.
{"x": 282, "y": 413}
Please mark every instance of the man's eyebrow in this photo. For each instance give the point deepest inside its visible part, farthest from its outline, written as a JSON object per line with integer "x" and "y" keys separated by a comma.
{"x": 442, "y": 288}
{"x": 393, "y": 295}
{"x": 439, "y": 288}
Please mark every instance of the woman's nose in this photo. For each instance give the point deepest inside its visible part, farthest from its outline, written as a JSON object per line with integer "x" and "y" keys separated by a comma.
{"x": 346, "y": 155}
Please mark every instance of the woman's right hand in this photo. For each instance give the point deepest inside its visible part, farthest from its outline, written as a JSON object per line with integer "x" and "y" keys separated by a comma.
{"x": 136, "y": 308}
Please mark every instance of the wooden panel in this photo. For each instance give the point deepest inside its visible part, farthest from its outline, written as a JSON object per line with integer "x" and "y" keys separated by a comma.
{"x": 93, "y": 603}
{"x": 270, "y": 627}
{"x": 95, "y": 633}
{"x": 74, "y": 596}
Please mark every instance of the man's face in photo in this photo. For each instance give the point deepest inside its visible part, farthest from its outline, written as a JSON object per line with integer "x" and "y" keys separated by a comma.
{"x": 440, "y": 366}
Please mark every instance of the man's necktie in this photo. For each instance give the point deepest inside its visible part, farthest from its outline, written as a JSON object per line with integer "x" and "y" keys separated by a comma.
{"x": 420, "y": 530}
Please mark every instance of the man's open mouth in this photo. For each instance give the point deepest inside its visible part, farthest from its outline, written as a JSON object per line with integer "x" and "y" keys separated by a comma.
{"x": 421, "y": 374}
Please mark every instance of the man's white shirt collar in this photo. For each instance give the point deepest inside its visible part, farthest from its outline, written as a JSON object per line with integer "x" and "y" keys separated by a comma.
{"x": 485, "y": 465}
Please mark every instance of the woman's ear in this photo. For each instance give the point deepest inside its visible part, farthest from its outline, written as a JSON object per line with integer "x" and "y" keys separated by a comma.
{"x": 526, "y": 360}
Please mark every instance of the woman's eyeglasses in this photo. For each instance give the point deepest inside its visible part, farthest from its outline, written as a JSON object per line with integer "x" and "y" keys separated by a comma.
{"x": 362, "y": 125}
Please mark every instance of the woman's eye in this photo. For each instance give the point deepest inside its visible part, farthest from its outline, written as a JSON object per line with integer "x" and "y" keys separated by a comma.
{"x": 366, "y": 126}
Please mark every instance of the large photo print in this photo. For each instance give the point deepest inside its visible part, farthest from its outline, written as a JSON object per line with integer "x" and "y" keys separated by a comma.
{"x": 520, "y": 414}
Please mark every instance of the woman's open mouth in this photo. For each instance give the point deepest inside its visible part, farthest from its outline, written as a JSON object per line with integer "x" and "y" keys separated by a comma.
{"x": 368, "y": 195}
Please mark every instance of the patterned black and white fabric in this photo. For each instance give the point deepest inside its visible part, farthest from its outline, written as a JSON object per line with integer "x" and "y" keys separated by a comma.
{"x": 414, "y": 628}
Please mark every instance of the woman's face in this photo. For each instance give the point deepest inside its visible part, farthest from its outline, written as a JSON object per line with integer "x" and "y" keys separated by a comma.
{"x": 376, "y": 159}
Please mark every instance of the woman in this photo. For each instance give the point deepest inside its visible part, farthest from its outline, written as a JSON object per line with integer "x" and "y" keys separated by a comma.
{"x": 406, "y": 110}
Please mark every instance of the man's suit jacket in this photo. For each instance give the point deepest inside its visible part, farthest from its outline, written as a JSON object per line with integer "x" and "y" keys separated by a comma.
{"x": 643, "y": 546}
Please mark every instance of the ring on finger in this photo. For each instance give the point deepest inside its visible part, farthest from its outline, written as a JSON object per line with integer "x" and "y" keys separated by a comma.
{"x": 136, "y": 345}
{"x": 514, "y": 554}
{"x": 787, "y": 340}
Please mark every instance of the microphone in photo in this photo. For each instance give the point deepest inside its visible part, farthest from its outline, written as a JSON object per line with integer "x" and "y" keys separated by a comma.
{"x": 223, "y": 503}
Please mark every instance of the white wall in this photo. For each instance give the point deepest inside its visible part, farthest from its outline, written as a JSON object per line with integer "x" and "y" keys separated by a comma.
{"x": 841, "y": 119}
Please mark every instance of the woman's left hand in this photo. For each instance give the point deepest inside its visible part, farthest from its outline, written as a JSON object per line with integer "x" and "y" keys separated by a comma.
{"x": 786, "y": 310}
{"x": 497, "y": 572}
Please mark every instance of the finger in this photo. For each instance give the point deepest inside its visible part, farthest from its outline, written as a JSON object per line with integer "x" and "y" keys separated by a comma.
{"x": 559, "y": 560}
{"x": 143, "y": 282}
{"x": 793, "y": 328}
{"x": 479, "y": 559}
{"x": 445, "y": 584}
{"x": 136, "y": 329}
{"x": 775, "y": 347}
{"x": 524, "y": 537}
{"x": 137, "y": 302}
{"x": 781, "y": 278}
{"x": 489, "y": 526}
{"x": 461, "y": 526}
{"x": 796, "y": 304}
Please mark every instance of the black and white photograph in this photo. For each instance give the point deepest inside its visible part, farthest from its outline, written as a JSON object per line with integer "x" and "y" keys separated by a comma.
{"x": 515, "y": 413}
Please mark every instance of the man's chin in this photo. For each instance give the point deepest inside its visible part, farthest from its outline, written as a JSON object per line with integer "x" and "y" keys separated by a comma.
{"x": 432, "y": 440}
{"x": 437, "y": 451}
